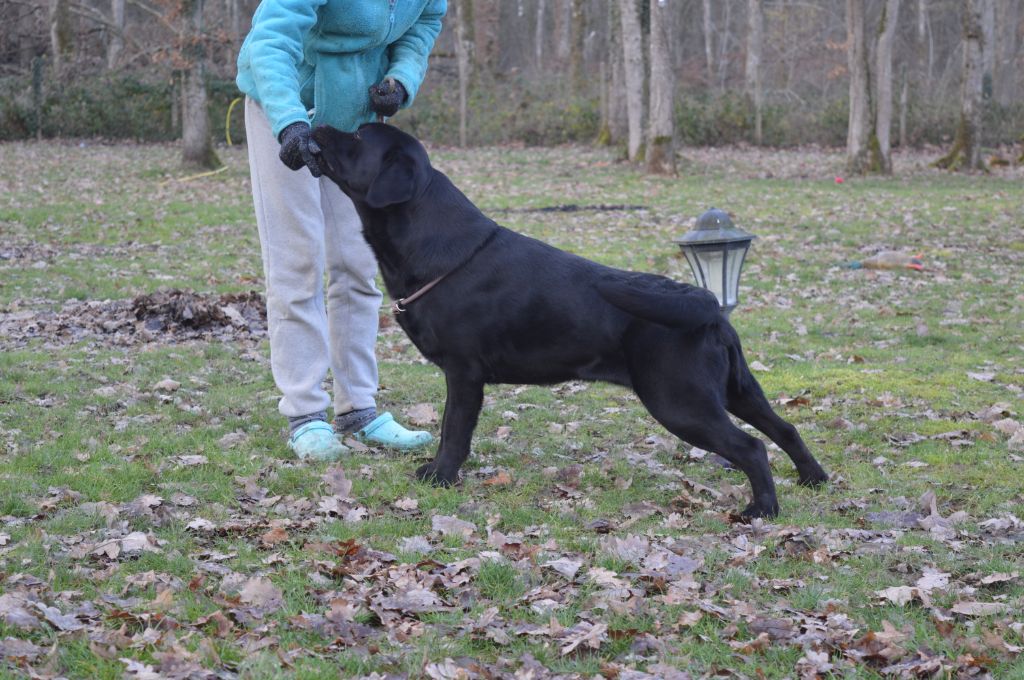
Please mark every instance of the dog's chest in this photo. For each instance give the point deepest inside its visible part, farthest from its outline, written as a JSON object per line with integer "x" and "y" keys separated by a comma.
{"x": 423, "y": 335}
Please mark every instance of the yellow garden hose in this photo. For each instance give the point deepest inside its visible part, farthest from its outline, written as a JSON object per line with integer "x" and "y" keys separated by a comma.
{"x": 192, "y": 177}
{"x": 227, "y": 120}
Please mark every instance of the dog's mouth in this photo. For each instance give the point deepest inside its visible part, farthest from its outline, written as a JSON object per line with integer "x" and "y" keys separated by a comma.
{"x": 332, "y": 144}
{"x": 328, "y": 166}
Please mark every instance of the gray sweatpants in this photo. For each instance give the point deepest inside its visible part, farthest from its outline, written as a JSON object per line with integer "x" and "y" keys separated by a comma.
{"x": 308, "y": 226}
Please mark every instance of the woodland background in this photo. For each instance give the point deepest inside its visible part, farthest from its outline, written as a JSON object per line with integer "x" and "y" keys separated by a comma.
{"x": 541, "y": 72}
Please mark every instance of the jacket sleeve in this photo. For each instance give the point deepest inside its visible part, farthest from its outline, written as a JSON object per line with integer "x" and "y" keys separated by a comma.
{"x": 409, "y": 53}
{"x": 275, "y": 53}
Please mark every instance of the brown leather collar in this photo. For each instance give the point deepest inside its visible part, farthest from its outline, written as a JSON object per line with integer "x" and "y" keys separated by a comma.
{"x": 399, "y": 305}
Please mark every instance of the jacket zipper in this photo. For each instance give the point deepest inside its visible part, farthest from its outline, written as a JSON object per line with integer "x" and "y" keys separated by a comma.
{"x": 391, "y": 18}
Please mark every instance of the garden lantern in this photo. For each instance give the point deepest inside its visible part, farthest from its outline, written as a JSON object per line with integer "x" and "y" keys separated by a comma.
{"x": 715, "y": 249}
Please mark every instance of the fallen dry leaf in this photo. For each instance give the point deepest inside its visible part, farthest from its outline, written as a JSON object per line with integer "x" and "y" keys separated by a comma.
{"x": 980, "y": 608}
{"x": 500, "y": 479}
{"x": 629, "y": 549}
{"x": 415, "y": 544}
{"x": 273, "y": 537}
{"x": 58, "y": 620}
{"x": 337, "y": 483}
{"x": 190, "y": 460}
{"x": 422, "y": 414}
{"x": 167, "y": 385}
{"x": 138, "y": 542}
{"x": 259, "y": 591}
{"x": 407, "y": 504}
{"x": 452, "y": 526}
{"x": 899, "y": 595}
{"x": 588, "y": 634}
{"x": 565, "y": 566}
{"x": 232, "y": 439}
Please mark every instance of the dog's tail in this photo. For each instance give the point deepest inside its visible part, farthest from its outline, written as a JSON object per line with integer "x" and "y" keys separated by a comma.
{"x": 661, "y": 300}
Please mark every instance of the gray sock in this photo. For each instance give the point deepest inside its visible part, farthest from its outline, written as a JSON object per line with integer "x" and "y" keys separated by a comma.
{"x": 296, "y": 422}
{"x": 354, "y": 420}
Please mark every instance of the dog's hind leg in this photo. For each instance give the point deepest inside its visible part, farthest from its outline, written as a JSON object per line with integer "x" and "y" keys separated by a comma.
{"x": 751, "y": 406}
{"x": 746, "y": 400}
{"x": 713, "y": 431}
{"x": 700, "y": 419}
{"x": 461, "y": 410}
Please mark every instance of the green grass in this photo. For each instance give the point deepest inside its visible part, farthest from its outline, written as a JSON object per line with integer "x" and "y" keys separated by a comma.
{"x": 866, "y": 364}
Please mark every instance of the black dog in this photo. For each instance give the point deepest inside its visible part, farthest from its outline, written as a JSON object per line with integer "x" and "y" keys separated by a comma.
{"x": 489, "y": 305}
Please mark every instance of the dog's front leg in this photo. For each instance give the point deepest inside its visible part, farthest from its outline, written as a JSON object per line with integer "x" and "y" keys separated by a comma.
{"x": 461, "y": 410}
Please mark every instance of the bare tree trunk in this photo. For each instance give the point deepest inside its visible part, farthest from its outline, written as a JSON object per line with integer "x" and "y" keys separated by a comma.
{"x": 633, "y": 57}
{"x": 925, "y": 26}
{"x": 925, "y": 48}
{"x": 197, "y": 145}
{"x": 966, "y": 151}
{"x": 578, "y": 36}
{"x": 485, "y": 30}
{"x": 881, "y": 145}
{"x": 724, "y": 44}
{"x": 538, "y": 38}
{"x": 618, "y": 117}
{"x": 234, "y": 25}
{"x": 988, "y": 52}
{"x": 116, "y": 44}
{"x": 915, "y": 84}
{"x": 604, "y": 134}
{"x": 177, "y": 100}
{"x": 755, "y": 39}
{"x": 25, "y": 29}
{"x": 61, "y": 35}
{"x": 857, "y": 133}
{"x": 463, "y": 51}
{"x": 563, "y": 28}
{"x": 661, "y": 154}
{"x": 904, "y": 104}
{"x": 709, "y": 46}
{"x": 1007, "y": 65}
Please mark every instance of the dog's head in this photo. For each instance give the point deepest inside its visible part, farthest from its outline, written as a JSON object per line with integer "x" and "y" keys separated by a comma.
{"x": 378, "y": 165}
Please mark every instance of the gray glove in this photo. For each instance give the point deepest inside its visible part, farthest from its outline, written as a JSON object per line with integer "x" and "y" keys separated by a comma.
{"x": 386, "y": 96}
{"x": 298, "y": 148}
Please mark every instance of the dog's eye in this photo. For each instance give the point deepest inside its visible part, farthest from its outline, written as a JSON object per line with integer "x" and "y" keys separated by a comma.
{"x": 357, "y": 137}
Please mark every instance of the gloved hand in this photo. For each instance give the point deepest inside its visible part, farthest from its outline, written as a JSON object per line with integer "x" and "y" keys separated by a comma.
{"x": 386, "y": 96}
{"x": 298, "y": 148}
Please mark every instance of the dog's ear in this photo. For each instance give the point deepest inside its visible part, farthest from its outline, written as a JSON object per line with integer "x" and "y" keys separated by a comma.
{"x": 395, "y": 183}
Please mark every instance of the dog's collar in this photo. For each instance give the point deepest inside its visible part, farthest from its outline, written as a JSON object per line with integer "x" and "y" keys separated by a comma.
{"x": 399, "y": 305}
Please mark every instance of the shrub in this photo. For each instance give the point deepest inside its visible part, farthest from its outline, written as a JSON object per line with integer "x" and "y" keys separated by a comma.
{"x": 116, "y": 106}
{"x": 137, "y": 105}
{"x": 505, "y": 111}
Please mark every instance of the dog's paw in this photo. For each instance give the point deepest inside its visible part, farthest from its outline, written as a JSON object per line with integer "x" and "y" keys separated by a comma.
{"x": 814, "y": 480}
{"x": 431, "y": 474}
{"x": 767, "y": 510}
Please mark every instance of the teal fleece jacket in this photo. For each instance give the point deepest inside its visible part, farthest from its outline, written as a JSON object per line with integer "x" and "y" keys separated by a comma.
{"x": 323, "y": 55}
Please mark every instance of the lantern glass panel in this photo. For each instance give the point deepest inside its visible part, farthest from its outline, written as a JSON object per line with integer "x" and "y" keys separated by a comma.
{"x": 734, "y": 263}
{"x": 709, "y": 264}
{"x": 698, "y": 273}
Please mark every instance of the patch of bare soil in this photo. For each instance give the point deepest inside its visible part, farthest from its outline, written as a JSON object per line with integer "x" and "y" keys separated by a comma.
{"x": 166, "y": 316}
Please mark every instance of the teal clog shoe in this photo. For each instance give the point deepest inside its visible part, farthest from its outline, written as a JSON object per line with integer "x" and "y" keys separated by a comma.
{"x": 385, "y": 431}
{"x": 316, "y": 441}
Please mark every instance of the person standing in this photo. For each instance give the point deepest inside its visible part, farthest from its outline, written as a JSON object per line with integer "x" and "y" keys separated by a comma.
{"x": 342, "y": 63}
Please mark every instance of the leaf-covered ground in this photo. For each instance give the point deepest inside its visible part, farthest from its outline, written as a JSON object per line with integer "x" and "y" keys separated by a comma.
{"x": 152, "y": 523}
